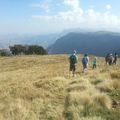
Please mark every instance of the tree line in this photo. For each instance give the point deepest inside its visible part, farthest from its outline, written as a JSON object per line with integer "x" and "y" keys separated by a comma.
{"x": 23, "y": 50}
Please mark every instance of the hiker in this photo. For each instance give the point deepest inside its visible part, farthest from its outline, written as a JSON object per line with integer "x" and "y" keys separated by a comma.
{"x": 73, "y": 62}
{"x": 95, "y": 63}
{"x": 85, "y": 62}
{"x": 115, "y": 58}
{"x": 109, "y": 59}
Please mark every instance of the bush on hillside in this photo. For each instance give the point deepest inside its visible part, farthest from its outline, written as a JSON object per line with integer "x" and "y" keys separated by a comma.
{"x": 35, "y": 49}
{"x": 27, "y": 50}
{"x": 5, "y": 52}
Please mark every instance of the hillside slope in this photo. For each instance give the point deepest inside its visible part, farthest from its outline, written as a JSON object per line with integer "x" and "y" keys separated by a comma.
{"x": 39, "y": 88}
{"x": 96, "y": 43}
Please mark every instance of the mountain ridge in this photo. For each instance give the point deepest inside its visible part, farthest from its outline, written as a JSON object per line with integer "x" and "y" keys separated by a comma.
{"x": 97, "y": 43}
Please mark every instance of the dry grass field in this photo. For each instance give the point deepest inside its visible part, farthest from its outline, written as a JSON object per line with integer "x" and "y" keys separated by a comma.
{"x": 39, "y": 88}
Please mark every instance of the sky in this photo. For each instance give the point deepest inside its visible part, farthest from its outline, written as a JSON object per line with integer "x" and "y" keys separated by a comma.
{"x": 51, "y": 16}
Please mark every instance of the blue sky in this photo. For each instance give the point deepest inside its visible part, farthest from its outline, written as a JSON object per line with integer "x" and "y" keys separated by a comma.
{"x": 46, "y": 16}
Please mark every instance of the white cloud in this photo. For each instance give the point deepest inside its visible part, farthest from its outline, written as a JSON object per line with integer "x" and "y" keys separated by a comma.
{"x": 108, "y": 7}
{"x": 74, "y": 4}
{"x": 77, "y": 17}
{"x": 44, "y": 5}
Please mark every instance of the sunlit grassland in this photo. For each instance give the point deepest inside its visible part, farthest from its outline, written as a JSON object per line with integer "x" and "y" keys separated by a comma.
{"x": 39, "y": 88}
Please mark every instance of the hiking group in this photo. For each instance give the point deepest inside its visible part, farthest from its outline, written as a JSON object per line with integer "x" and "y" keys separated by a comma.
{"x": 73, "y": 59}
{"x": 110, "y": 59}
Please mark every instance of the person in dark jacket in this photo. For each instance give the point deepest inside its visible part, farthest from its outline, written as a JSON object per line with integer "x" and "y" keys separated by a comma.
{"x": 115, "y": 58}
{"x": 73, "y": 62}
{"x": 109, "y": 59}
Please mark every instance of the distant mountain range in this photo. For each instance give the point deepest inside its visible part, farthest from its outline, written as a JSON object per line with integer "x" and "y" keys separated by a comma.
{"x": 43, "y": 40}
{"x": 96, "y": 43}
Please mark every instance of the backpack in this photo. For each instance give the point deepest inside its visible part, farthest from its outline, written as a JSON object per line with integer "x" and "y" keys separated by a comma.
{"x": 73, "y": 59}
{"x": 85, "y": 60}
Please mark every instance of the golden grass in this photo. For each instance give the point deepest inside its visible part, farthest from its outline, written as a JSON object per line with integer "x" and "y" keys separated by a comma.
{"x": 39, "y": 88}
{"x": 103, "y": 100}
{"x": 115, "y": 75}
{"x": 108, "y": 85}
{"x": 91, "y": 118}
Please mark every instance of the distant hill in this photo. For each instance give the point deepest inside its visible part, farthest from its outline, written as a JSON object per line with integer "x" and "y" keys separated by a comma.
{"x": 43, "y": 40}
{"x": 97, "y": 43}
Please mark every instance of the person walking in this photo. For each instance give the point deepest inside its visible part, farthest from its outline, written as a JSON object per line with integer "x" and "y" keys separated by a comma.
{"x": 115, "y": 58}
{"x": 85, "y": 61}
{"x": 111, "y": 58}
{"x": 107, "y": 58}
{"x": 73, "y": 59}
{"x": 95, "y": 63}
